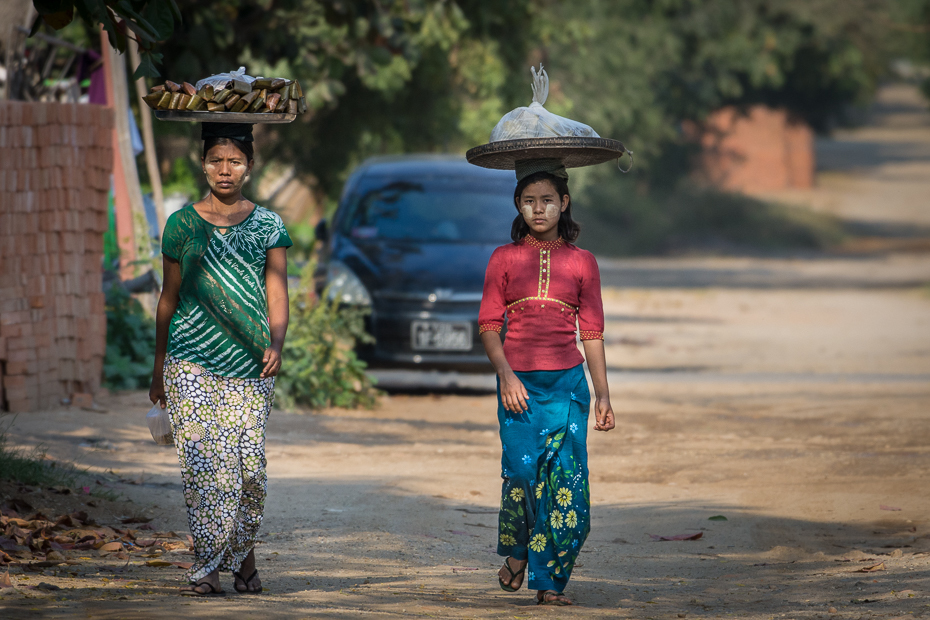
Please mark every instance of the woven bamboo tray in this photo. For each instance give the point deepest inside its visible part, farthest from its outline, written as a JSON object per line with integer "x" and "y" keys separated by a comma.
{"x": 573, "y": 152}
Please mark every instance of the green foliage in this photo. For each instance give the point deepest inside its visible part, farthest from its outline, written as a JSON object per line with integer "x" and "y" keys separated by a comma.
{"x": 145, "y": 21}
{"x": 130, "y": 342}
{"x": 320, "y": 368}
{"x": 182, "y": 179}
{"x": 379, "y": 77}
{"x": 619, "y": 221}
{"x": 436, "y": 75}
{"x": 304, "y": 237}
{"x": 634, "y": 69}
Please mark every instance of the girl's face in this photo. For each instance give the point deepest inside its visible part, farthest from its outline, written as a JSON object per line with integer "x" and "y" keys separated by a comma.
{"x": 541, "y": 207}
{"x": 226, "y": 169}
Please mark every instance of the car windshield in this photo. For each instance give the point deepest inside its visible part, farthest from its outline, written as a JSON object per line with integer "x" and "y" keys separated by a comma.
{"x": 447, "y": 210}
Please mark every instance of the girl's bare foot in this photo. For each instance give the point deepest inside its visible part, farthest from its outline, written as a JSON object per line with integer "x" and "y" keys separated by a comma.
{"x": 551, "y": 597}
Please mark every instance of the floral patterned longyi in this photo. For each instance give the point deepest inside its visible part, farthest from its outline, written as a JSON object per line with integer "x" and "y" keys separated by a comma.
{"x": 219, "y": 431}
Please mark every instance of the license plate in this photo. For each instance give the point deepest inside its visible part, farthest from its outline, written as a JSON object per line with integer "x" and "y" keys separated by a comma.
{"x": 440, "y": 336}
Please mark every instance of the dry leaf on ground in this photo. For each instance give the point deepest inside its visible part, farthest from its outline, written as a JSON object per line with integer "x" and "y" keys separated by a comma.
{"x": 872, "y": 569}
{"x": 677, "y": 536}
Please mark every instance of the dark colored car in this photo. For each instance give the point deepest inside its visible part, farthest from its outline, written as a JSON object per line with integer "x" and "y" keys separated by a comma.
{"x": 411, "y": 238}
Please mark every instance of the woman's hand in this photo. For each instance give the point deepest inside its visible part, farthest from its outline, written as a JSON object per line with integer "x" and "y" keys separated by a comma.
{"x": 272, "y": 362}
{"x": 513, "y": 393}
{"x": 157, "y": 390}
{"x": 603, "y": 414}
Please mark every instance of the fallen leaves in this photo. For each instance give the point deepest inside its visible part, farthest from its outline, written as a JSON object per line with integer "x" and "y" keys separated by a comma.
{"x": 694, "y": 536}
{"x": 872, "y": 569}
{"x": 110, "y": 547}
{"x": 5, "y": 581}
{"x": 37, "y": 542}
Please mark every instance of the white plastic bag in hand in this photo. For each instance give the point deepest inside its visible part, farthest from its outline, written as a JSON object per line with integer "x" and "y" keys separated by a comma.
{"x": 160, "y": 425}
{"x": 219, "y": 80}
{"x": 537, "y": 122}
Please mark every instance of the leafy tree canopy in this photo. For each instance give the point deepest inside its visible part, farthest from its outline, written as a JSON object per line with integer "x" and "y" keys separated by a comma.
{"x": 386, "y": 76}
{"x": 145, "y": 21}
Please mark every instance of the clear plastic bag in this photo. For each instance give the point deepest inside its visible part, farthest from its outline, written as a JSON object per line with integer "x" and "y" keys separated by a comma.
{"x": 537, "y": 122}
{"x": 220, "y": 80}
{"x": 160, "y": 425}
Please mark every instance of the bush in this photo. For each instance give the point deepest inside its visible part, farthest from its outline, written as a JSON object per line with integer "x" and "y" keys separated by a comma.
{"x": 320, "y": 367}
{"x": 130, "y": 342}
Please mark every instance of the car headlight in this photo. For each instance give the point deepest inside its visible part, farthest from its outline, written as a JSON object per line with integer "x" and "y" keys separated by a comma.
{"x": 345, "y": 286}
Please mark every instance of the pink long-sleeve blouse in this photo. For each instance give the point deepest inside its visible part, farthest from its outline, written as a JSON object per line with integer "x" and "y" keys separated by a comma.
{"x": 541, "y": 288}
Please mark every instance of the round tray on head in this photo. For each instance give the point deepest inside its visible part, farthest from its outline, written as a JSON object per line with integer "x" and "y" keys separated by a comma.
{"x": 224, "y": 117}
{"x": 573, "y": 152}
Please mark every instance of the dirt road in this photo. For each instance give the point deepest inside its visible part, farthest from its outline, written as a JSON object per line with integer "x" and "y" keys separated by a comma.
{"x": 790, "y": 397}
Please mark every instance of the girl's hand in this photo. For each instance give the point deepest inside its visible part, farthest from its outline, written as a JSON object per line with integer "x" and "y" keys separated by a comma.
{"x": 157, "y": 390}
{"x": 603, "y": 414}
{"x": 513, "y": 393}
{"x": 272, "y": 362}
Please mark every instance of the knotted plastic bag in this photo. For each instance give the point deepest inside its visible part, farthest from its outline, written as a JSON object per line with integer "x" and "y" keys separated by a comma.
{"x": 160, "y": 425}
{"x": 537, "y": 122}
{"x": 220, "y": 80}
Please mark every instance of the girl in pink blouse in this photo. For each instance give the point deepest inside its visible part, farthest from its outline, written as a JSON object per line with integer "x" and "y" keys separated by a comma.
{"x": 540, "y": 286}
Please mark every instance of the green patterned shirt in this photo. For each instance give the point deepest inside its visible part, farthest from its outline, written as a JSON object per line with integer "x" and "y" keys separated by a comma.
{"x": 221, "y": 322}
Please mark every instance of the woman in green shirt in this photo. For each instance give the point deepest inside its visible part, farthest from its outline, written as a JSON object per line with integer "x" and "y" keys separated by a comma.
{"x": 220, "y": 327}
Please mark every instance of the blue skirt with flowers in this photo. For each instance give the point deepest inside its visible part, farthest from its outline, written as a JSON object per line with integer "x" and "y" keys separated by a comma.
{"x": 545, "y": 511}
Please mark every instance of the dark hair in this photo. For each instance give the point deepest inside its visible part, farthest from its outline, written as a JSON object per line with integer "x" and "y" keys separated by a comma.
{"x": 245, "y": 147}
{"x": 569, "y": 229}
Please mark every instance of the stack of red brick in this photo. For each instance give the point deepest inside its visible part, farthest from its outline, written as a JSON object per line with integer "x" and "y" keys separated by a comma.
{"x": 759, "y": 149}
{"x": 55, "y": 165}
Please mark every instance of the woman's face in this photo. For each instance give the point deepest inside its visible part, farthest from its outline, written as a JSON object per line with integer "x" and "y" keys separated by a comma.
{"x": 227, "y": 169}
{"x": 541, "y": 207}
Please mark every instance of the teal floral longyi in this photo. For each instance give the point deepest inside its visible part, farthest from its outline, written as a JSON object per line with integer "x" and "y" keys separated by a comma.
{"x": 545, "y": 511}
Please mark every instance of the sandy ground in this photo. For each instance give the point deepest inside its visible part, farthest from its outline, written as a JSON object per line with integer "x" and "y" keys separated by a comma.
{"x": 789, "y": 396}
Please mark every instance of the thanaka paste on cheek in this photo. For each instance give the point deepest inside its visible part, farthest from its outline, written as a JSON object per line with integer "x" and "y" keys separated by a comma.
{"x": 552, "y": 211}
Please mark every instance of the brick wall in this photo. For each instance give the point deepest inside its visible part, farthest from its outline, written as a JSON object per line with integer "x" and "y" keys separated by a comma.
{"x": 55, "y": 164}
{"x": 757, "y": 150}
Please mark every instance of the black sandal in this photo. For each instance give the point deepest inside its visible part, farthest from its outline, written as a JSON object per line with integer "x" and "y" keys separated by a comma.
{"x": 506, "y": 587}
{"x": 195, "y": 592}
{"x": 245, "y": 582}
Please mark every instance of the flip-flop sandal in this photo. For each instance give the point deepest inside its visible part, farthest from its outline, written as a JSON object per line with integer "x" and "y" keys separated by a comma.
{"x": 551, "y": 597}
{"x": 245, "y": 582}
{"x": 213, "y": 591}
{"x": 513, "y": 575}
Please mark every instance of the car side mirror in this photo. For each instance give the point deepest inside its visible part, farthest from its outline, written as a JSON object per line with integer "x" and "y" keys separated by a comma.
{"x": 321, "y": 231}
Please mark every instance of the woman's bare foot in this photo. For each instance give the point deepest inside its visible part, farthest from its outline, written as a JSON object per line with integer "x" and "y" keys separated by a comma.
{"x": 512, "y": 579}
{"x": 551, "y": 597}
{"x": 208, "y": 586}
{"x": 246, "y": 579}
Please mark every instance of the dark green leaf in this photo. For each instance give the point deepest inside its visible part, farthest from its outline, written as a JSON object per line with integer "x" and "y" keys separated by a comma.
{"x": 45, "y": 7}
{"x": 146, "y": 66}
{"x": 159, "y": 14}
{"x": 717, "y": 518}
{"x": 124, "y": 9}
{"x": 59, "y": 19}
{"x": 175, "y": 10}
